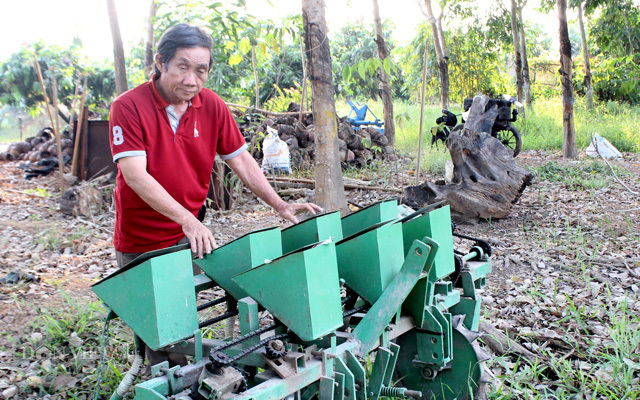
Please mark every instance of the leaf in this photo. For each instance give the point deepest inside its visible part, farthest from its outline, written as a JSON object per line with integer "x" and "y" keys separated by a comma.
{"x": 62, "y": 381}
{"x": 235, "y": 59}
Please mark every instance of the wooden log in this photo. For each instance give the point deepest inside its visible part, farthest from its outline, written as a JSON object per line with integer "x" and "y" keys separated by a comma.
{"x": 486, "y": 180}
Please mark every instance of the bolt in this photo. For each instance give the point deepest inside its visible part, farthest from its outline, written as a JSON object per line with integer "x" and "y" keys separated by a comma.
{"x": 179, "y": 373}
{"x": 413, "y": 393}
{"x": 277, "y": 344}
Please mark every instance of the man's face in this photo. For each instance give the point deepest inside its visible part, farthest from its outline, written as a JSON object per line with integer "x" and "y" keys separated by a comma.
{"x": 184, "y": 76}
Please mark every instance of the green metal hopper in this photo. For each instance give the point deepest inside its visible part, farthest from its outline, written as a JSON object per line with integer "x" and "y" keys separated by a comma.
{"x": 312, "y": 230}
{"x": 301, "y": 289}
{"x": 155, "y": 296}
{"x": 240, "y": 255}
{"x": 364, "y": 218}
{"x": 369, "y": 260}
{"x": 435, "y": 224}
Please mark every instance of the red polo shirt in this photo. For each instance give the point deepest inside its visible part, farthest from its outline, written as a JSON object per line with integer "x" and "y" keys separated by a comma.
{"x": 181, "y": 162}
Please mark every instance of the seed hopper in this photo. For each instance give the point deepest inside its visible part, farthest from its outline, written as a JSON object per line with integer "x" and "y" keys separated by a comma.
{"x": 375, "y": 304}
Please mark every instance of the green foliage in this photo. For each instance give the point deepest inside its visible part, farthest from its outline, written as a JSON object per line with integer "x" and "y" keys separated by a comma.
{"x": 617, "y": 78}
{"x": 20, "y": 85}
{"x": 281, "y": 101}
{"x": 356, "y": 64}
{"x": 616, "y": 29}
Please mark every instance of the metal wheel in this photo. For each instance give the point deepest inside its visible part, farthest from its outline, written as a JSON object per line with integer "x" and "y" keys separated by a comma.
{"x": 511, "y": 139}
{"x": 461, "y": 380}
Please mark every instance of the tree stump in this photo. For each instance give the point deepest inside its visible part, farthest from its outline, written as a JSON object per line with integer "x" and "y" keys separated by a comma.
{"x": 486, "y": 180}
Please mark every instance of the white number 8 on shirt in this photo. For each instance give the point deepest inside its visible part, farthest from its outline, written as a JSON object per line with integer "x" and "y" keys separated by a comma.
{"x": 117, "y": 135}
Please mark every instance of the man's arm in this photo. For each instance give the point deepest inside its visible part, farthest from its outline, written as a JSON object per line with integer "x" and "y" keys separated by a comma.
{"x": 249, "y": 172}
{"x": 134, "y": 171}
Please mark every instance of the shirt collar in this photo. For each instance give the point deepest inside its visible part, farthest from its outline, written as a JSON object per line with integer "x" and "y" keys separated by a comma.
{"x": 162, "y": 103}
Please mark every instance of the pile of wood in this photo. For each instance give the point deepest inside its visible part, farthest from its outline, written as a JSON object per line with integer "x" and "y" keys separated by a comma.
{"x": 357, "y": 149}
{"x": 40, "y": 147}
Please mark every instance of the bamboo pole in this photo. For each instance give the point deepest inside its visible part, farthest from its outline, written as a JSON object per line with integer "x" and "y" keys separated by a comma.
{"x": 303, "y": 97}
{"x": 422, "y": 95}
{"x": 76, "y": 137}
{"x": 44, "y": 94}
{"x": 54, "y": 94}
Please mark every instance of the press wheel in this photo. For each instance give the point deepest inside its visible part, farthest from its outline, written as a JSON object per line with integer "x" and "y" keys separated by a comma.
{"x": 511, "y": 139}
{"x": 460, "y": 381}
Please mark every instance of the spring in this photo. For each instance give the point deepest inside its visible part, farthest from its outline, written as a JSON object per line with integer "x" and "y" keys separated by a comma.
{"x": 392, "y": 391}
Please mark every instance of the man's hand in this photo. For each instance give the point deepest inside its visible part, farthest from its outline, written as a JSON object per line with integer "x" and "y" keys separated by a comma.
{"x": 134, "y": 170}
{"x": 289, "y": 211}
{"x": 199, "y": 236}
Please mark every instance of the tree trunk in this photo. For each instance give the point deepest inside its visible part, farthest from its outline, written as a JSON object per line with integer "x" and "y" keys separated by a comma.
{"x": 569, "y": 144}
{"x": 148, "y": 46}
{"x": 486, "y": 180}
{"x": 585, "y": 55}
{"x": 118, "y": 49}
{"x": 387, "y": 98}
{"x": 525, "y": 62}
{"x": 443, "y": 63}
{"x": 516, "y": 48}
{"x": 329, "y": 185}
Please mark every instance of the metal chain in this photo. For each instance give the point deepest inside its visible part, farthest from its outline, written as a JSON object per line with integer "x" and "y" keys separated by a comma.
{"x": 243, "y": 338}
{"x": 254, "y": 348}
{"x": 105, "y": 340}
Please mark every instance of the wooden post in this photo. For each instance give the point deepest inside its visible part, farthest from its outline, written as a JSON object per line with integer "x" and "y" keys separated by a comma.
{"x": 424, "y": 84}
{"x": 76, "y": 137}
{"x": 54, "y": 94}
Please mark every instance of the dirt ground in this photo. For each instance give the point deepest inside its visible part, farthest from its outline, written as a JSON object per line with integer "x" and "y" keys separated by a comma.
{"x": 563, "y": 239}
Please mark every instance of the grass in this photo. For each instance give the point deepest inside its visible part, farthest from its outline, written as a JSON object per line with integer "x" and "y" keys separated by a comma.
{"x": 590, "y": 174}
{"x": 65, "y": 340}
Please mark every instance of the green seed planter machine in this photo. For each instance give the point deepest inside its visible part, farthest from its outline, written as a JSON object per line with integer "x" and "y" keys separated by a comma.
{"x": 375, "y": 304}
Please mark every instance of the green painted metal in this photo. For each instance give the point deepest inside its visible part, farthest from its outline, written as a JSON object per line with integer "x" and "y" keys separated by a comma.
{"x": 312, "y": 230}
{"x": 435, "y": 224}
{"x": 459, "y": 381}
{"x": 241, "y": 255}
{"x": 434, "y": 338}
{"x": 301, "y": 289}
{"x": 378, "y": 371}
{"x": 349, "y": 379}
{"x": 375, "y": 213}
{"x": 369, "y": 260}
{"x": 374, "y": 323}
{"x": 359, "y": 374}
{"x": 156, "y": 298}
{"x": 395, "y": 352}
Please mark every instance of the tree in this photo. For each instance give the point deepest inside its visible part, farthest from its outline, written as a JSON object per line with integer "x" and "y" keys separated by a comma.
{"x": 525, "y": 62}
{"x": 118, "y": 49}
{"x": 387, "y": 99}
{"x": 517, "y": 51}
{"x": 19, "y": 82}
{"x": 569, "y": 144}
{"x": 149, "y": 42}
{"x": 329, "y": 185}
{"x": 585, "y": 56}
{"x": 441, "y": 53}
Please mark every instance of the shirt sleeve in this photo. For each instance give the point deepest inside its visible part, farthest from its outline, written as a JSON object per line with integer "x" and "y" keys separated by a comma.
{"x": 231, "y": 143}
{"x": 125, "y": 133}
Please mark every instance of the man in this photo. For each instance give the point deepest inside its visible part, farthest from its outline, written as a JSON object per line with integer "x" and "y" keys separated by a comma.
{"x": 164, "y": 137}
